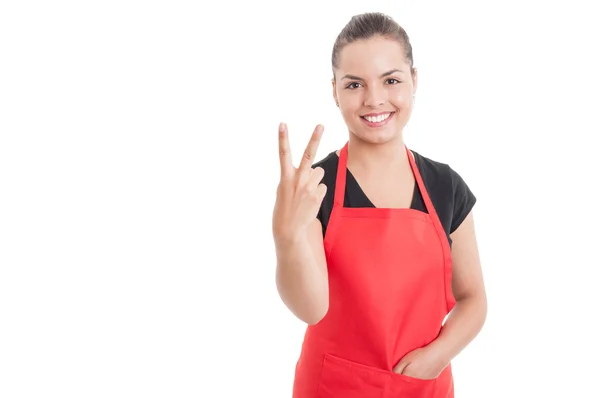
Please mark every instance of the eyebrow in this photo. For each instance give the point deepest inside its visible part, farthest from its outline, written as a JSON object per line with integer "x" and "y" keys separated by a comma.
{"x": 382, "y": 75}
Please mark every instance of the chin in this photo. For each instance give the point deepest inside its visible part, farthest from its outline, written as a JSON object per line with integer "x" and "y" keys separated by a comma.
{"x": 377, "y": 136}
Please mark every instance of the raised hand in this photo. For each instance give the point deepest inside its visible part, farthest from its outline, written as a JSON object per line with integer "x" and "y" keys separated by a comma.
{"x": 300, "y": 191}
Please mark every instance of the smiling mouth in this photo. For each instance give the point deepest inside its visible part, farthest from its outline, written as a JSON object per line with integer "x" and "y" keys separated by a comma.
{"x": 379, "y": 118}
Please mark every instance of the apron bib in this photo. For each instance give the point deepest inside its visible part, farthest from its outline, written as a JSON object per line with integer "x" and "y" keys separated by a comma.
{"x": 390, "y": 273}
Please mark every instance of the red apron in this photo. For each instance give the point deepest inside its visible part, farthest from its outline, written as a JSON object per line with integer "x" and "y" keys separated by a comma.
{"x": 390, "y": 273}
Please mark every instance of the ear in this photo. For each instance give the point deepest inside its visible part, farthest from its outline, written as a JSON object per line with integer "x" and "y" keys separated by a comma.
{"x": 335, "y": 97}
{"x": 415, "y": 79}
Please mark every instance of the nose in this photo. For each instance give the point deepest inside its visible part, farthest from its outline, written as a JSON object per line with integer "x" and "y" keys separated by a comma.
{"x": 375, "y": 97}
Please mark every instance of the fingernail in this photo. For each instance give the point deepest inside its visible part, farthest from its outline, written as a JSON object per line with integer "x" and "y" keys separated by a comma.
{"x": 281, "y": 126}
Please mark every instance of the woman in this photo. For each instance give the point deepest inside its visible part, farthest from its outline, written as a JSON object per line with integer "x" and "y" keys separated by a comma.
{"x": 375, "y": 243}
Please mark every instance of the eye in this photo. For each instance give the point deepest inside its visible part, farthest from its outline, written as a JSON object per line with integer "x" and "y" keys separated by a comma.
{"x": 393, "y": 81}
{"x": 352, "y": 85}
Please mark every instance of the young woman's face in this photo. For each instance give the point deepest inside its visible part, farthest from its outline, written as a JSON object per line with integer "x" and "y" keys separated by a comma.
{"x": 374, "y": 88}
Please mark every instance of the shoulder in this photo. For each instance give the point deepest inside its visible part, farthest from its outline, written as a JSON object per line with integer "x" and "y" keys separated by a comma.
{"x": 329, "y": 165}
{"x": 432, "y": 168}
{"x": 327, "y": 162}
{"x": 447, "y": 189}
{"x": 437, "y": 176}
{"x": 436, "y": 172}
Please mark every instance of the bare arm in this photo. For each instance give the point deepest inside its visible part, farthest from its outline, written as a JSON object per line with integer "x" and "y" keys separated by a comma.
{"x": 302, "y": 275}
{"x": 467, "y": 318}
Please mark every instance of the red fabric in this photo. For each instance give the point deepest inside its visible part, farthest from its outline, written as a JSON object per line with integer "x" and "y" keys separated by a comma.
{"x": 390, "y": 290}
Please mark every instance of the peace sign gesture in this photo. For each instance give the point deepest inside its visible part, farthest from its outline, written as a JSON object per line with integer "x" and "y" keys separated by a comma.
{"x": 300, "y": 191}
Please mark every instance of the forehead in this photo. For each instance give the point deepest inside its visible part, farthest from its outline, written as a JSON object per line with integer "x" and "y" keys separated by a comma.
{"x": 372, "y": 57}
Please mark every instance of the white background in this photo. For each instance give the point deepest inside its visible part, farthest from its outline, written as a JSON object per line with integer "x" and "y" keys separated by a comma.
{"x": 138, "y": 167}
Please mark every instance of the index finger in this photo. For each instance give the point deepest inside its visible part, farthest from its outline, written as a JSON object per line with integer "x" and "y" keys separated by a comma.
{"x": 311, "y": 149}
{"x": 285, "y": 154}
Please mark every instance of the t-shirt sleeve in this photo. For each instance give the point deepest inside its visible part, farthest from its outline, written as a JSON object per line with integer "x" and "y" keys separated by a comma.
{"x": 464, "y": 200}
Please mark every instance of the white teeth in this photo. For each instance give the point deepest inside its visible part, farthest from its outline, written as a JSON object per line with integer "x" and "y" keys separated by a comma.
{"x": 377, "y": 119}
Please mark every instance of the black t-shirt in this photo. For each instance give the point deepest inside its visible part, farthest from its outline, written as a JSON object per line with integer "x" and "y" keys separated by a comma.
{"x": 450, "y": 195}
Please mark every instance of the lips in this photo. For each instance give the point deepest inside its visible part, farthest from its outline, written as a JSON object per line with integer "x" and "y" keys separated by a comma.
{"x": 377, "y": 118}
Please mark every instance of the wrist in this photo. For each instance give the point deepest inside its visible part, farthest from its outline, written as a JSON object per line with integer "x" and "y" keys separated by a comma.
{"x": 440, "y": 352}
{"x": 285, "y": 241}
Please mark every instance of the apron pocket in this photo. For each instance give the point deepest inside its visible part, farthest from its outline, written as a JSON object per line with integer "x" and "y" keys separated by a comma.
{"x": 411, "y": 387}
{"x": 444, "y": 384}
{"x": 343, "y": 378}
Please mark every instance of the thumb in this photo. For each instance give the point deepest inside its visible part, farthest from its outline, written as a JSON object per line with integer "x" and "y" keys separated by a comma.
{"x": 322, "y": 189}
{"x": 399, "y": 368}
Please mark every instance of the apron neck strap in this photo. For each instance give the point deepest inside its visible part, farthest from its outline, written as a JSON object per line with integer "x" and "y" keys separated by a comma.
{"x": 340, "y": 182}
{"x": 421, "y": 184}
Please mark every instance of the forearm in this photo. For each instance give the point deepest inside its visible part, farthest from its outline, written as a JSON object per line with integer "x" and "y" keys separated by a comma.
{"x": 301, "y": 280}
{"x": 463, "y": 324}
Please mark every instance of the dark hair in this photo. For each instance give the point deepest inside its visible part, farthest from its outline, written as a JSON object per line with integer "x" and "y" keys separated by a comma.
{"x": 369, "y": 25}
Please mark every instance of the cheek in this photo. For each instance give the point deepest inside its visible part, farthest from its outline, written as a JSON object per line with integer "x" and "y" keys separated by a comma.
{"x": 401, "y": 99}
{"x": 351, "y": 105}
{"x": 351, "y": 100}
{"x": 349, "y": 115}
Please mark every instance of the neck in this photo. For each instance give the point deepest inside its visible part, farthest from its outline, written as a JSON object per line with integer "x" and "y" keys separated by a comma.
{"x": 377, "y": 157}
